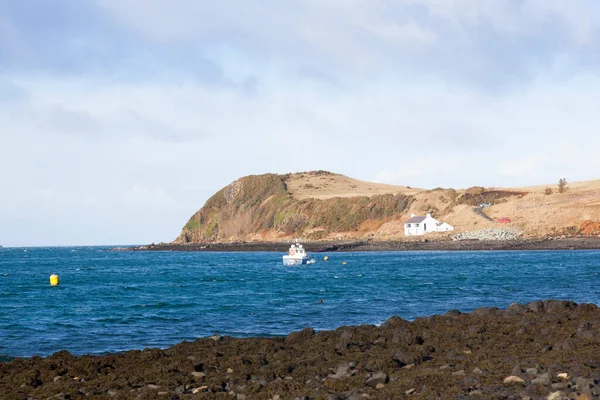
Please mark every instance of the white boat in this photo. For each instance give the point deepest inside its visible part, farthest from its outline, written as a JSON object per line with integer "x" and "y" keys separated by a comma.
{"x": 297, "y": 256}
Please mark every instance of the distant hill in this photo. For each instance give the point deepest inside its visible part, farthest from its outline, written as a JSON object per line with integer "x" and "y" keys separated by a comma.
{"x": 323, "y": 205}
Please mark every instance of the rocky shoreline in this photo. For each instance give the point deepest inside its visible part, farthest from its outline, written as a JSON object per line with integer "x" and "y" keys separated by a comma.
{"x": 542, "y": 350}
{"x": 548, "y": 243}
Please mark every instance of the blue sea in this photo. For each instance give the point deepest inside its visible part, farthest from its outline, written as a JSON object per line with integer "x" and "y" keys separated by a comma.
{"x": 110, "y": 301}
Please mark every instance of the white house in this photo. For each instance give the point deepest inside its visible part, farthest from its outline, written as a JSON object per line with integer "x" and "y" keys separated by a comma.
{"x": 417, "y": 225}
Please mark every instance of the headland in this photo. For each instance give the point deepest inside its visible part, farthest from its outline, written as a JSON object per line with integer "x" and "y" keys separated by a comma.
{"x": 335, "y": 212}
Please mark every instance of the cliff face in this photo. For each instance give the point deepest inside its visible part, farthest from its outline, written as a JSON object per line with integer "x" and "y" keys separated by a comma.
{"x": 322, "y": 205}
{"x": 262, "y": 207}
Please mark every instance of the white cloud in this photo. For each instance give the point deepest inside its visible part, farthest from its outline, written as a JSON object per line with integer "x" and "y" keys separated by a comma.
{"x": 426, "y": 93}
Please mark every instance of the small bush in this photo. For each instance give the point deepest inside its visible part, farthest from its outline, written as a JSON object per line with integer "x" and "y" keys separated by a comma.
{"x": 548, "y": 191}
{"x": 562, "y": 185}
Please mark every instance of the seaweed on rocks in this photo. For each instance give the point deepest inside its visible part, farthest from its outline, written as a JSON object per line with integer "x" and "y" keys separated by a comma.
{"x": 543, "y": 349}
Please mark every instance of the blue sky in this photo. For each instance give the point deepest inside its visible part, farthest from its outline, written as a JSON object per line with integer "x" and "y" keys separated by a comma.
{"x": 119, "y": 118}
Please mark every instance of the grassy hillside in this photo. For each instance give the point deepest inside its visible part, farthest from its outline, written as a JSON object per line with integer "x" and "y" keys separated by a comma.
{"x": 322, "y": 205}
{"x": 262, "y": 206}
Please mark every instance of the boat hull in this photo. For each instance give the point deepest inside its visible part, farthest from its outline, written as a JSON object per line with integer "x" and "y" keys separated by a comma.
{"x": 291, "y": 261}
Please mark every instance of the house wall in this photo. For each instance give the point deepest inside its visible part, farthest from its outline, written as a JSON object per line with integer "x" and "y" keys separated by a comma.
{"x": 429, "y": 224}
{"x": 413, "y": 230}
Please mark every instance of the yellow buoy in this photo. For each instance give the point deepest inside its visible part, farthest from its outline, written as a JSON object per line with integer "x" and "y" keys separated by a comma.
{"x": 343, "y": 262}
{"x": 326, "y": 258}
{"x": 53, "y": 280}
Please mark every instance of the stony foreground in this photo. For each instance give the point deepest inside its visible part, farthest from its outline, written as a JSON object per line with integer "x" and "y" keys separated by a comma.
{"x": 542, "y": 350}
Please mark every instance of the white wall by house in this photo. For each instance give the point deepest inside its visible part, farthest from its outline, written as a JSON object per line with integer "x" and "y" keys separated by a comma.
{"x": 445, "y": 227}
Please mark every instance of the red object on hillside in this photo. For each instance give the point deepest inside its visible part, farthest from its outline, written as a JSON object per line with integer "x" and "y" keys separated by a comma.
{"x": 504, "y": 220}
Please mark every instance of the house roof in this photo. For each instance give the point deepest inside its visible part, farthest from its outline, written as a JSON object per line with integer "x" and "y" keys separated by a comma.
{"x": 415, "y": 220}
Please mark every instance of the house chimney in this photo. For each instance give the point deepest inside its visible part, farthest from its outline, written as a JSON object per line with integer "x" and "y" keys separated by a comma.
{"x": 412, "y": 215}
{"x": 428, "y": 215}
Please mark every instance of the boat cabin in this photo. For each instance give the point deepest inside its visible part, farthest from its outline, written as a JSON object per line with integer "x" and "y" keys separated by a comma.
{"x": 296, "y": 250}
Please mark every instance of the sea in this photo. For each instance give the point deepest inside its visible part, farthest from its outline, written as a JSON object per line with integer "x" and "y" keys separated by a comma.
{"x": 114, "y": 301}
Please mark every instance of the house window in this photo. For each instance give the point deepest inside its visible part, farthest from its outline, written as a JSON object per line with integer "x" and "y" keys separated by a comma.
{"x": 416, "y": 225}
{"x": 425, "y": 226}
{"x": 408, "y": 225}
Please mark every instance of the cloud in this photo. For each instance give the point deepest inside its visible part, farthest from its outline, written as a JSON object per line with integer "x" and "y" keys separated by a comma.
{"x": 128, "y": 109}
{"x": 489, "y": 44}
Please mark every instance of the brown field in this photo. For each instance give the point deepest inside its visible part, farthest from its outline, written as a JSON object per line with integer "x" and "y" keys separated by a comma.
{"x": 533, "y": 212}
{"x": 327, "y": 185}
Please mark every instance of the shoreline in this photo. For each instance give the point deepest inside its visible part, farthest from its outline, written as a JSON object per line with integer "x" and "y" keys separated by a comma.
{"x": 521, "y": 351}
{"x": 570, "y": 243}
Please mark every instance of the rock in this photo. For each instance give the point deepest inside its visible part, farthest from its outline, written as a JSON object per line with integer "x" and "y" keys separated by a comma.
{"x": 297, "y": 337}
{"x": 197, "y": 374}
{"x": 403, "y": 358}
{"x": 474, "y": 393}
{"x": 516, "y": 309}
{"x": 535, "y": 306}
{"x": 380, "y": 386}
{"x": 543, "y": 379}
{"x": 229, "y": 371}
{"x": 557, "y": 396}
{"x": 410, "y": 391}
{"x": 454, "y": 355}
{"x": 57, "y": 378}
{"x": 341, "y": 372}
{"x": 582, "y": 384}
{"x": 556, "y": 306}
{"x": 585, "y": 331}
{"x": 376, "y": 379}
{"x": 154, "y": 387}
{"x": 563, "y": 375}
{"x": 459, "y": 373}
{"x": 484, "y": 311}
{"x": 392, "y": 322}
{"x": 513, "y": 380}
{"x": 241, "y": 396}
{"x": 477, "y": 371}
{"x": 559, "y": 385}
{"x": 180, "y": 389}
{"x": 356, "y": 396}
{"x": 517, "y": 370}
{"x": 567, "y": 345}
{"x": 199, "y": 389}
{"x": 583, "y": 396}
{"x": 216, "y": 338}
{"x": 488, "y": 234}
{"x": 452, "y": 314}
{"x": 531, "y": 371}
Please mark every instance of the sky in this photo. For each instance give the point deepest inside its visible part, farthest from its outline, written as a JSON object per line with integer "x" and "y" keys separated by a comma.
{"x": 120, "y": 118}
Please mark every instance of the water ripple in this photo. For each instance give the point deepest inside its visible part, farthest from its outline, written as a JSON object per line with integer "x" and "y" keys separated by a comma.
{"x": 114, "y": 301}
